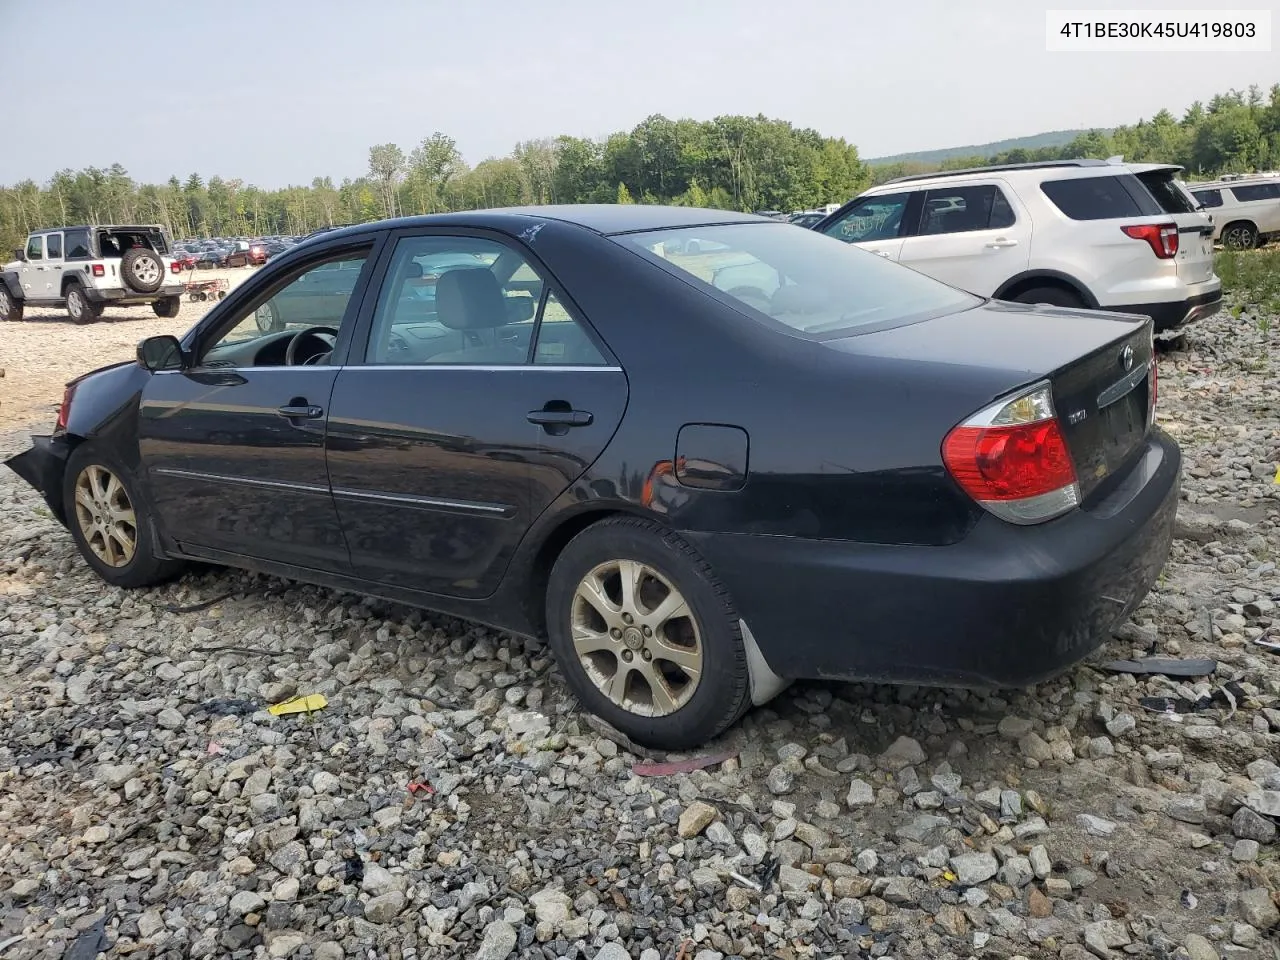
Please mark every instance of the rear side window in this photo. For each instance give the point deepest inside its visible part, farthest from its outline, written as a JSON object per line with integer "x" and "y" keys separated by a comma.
{"x": 77, "y": 244}
{"x": 1167, "y": 191}
{"x": 1257, "y": 191}
{"x": 53, "y": 244}
{"x": 1101, "y": 198}
{"x": 963, "y": 209}
{"x": 1208, "y": 198}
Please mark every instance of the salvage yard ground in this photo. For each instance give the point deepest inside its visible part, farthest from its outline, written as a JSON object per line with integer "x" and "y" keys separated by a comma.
{"x": 143, "y": 784}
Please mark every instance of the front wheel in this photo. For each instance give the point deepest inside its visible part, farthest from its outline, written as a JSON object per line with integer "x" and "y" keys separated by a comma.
{"x": 79, "y": 307}
{"x": 10, "y": 309}
{"x": 167, "y": 307}
{"x": 108, "y": 522}
{"x": 646, "y": 636}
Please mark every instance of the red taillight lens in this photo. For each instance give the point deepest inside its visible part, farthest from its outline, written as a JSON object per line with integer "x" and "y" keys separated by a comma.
{"x": 1013, "y": 459}
{"x": 175, "y": 267}
{"x": 64, "y": 411}
{"x": 99, "y": 270}
{"x": 1161, "y": 237}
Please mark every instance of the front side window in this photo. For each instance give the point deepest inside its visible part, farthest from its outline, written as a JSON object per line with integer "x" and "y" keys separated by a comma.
{"x": 35, "y": 248}
{"x": 472, "y": 301}
{"x": 1208, "y": 198}
{"x": 317, "y": 297}
{"x": 1256, "y": 191}
{"x": 53, "y": 246}
{"x": 964, "y": 209}
{"x": 798, "y": 280}
{"x": 875, "y": 218}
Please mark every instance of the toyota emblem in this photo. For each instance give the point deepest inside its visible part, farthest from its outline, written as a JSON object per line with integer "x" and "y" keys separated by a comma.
{"x": 1126, "y": 357}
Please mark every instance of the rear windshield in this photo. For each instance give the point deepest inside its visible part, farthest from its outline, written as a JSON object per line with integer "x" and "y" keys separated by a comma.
{"x": 1101, "y": 198}
{"x": 1167, "y": 191}
{"x": 802, "y": 281}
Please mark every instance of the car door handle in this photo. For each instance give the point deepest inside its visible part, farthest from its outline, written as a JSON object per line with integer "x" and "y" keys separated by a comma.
{"x": 1001, "y": 242}
{"x": 300, "y": 412}
{"x": 884, "y": 253}
{"x": 560, "y": 418}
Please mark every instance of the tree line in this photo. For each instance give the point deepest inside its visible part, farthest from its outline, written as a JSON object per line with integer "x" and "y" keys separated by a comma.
{"x": 1236, "y": 132}
{"x": 731, "y": 162}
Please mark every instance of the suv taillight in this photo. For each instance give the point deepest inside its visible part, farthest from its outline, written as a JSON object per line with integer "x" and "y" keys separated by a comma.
{"x": 175, "y": 266}
{"x": 64, "y": 411}
{"x": 99, "y": 270}
{"x": 1162, "y": 237}
{"x": 1012, "y": 458}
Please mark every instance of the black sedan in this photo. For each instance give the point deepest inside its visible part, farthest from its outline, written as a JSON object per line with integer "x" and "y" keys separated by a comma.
{"x": 703, "y": 453}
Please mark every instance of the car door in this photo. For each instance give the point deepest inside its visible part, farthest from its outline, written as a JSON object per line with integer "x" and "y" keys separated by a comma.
{"x": 53, "y": 264}
{"x": 233, "y": 446}
{"x": 877, "y": 223}
{"x": 470, "y": 410}
{"x": 31, "y": 273}
{"x": 974, "y": 237}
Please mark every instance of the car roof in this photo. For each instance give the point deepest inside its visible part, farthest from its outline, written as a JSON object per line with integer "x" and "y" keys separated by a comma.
{"x": 1244, "y": 180}
{"x": 603, "y": 218}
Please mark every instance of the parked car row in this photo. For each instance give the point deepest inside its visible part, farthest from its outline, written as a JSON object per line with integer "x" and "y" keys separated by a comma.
{"x": 230, "y": 252}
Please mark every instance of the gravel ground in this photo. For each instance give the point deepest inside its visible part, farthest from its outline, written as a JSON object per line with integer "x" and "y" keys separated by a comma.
{"x": 148, "y": 800}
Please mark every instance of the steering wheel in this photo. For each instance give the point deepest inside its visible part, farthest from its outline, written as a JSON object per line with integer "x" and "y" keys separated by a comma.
{"x": 291, "y": 352}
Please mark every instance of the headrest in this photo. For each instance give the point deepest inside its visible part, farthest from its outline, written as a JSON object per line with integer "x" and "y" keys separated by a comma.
{"x": 469, "y": 298}
{"x": 412, "y": 270}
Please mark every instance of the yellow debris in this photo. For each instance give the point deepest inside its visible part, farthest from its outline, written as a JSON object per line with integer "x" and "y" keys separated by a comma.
{"x": 1277, "y": 480}
{"x": 308, "y": 704}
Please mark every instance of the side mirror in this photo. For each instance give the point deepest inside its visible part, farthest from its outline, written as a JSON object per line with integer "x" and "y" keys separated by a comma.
{"x": 20, "y": 254}
{"x": 161, "y": 353}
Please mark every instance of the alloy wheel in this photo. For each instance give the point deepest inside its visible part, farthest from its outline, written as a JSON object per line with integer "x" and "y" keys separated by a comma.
{"x": 146, "y": 270}
{"x": 106, "y": 516}
{"x": 637, "y": 638}
{"x": 1238, "y": 238}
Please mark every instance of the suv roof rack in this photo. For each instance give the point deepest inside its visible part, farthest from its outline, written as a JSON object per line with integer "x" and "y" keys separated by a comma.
{"x": 1035, "y": 165}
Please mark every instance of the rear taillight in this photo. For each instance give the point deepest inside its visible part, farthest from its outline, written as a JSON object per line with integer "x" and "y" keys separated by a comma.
{"x": 175, "y": 267}
{"x": 64, "y": 411}
{"x": 99, "y": 270}
{"x": 1161, "y": 237}
{"x": 1012, "y": 459}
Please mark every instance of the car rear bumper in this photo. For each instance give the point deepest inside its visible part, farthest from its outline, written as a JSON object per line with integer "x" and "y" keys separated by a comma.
{"x": 1006, "y": 607}
{"x": 125, "y": 297}
{"x": 43, "y": 466}
{"x": 1171, "y": 314}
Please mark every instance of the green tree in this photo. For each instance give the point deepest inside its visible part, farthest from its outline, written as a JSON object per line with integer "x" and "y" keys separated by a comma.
{"x": 624, "y": 195}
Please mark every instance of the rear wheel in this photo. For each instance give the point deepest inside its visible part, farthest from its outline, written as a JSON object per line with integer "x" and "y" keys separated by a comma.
{"x": 79, "y": 307}
{"x": 108, "y": 522}
{"x": 1052, "y": 296}
{"x": 1240, "y": 236}
{"x": 646, "y": 636}
{"x": 10, "y": 309}
{"x": 167, "y": 307}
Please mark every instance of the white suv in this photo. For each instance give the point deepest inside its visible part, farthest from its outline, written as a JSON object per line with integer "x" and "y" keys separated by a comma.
{"x": 1076, "y": 233}
{"x": 86, "y": 268}
{"x": 1245, "y": 209}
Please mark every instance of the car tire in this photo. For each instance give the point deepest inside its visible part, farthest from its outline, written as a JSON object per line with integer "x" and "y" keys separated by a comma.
{"x": 167, "y": 307}
{"x": 10, "y": 309}
{"x": 267, "y": 317}
{"x": 142, "y": 270}
{"x": 673, "y": 702}
{"x": 1052, "y": 296}
{"x": 1241, "y": 235}
{"x": 108, "y": 522}
{"x": 80, "y": 308}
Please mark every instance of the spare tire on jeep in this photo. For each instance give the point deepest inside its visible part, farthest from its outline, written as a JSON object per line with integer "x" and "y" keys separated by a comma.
{"x": 142, "y": 270}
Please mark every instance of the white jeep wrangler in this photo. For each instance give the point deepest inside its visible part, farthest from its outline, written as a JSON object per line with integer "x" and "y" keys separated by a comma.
{"x": 87, "y": 268}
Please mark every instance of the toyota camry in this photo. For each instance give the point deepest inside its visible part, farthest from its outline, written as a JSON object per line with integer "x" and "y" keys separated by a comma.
{"x": 702, "y": 453}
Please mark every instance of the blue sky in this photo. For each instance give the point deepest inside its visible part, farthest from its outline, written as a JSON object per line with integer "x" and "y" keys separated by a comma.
{"x": 279, "y": 91}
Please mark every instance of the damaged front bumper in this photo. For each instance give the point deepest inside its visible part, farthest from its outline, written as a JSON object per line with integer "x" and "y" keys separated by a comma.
{"x": 44, "y": 466}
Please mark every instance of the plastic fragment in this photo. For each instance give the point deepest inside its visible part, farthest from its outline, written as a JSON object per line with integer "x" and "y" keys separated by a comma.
{"x": 1166, "y": 666}
{"x": 669, "y": 767}
{"x": 417, "y": 785}
{"x": 308, "y": 704}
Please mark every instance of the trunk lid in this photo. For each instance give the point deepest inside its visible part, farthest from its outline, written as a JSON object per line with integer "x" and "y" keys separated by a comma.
{"x": 1097, "y": 363}
{"x": 1195, "y": 228}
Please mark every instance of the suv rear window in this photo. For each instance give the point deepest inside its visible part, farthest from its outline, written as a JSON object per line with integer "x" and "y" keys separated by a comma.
{"x": 1167, "y": 191}
{"x": 1101, "y": 198}
{"x": 1256, "y": 191}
